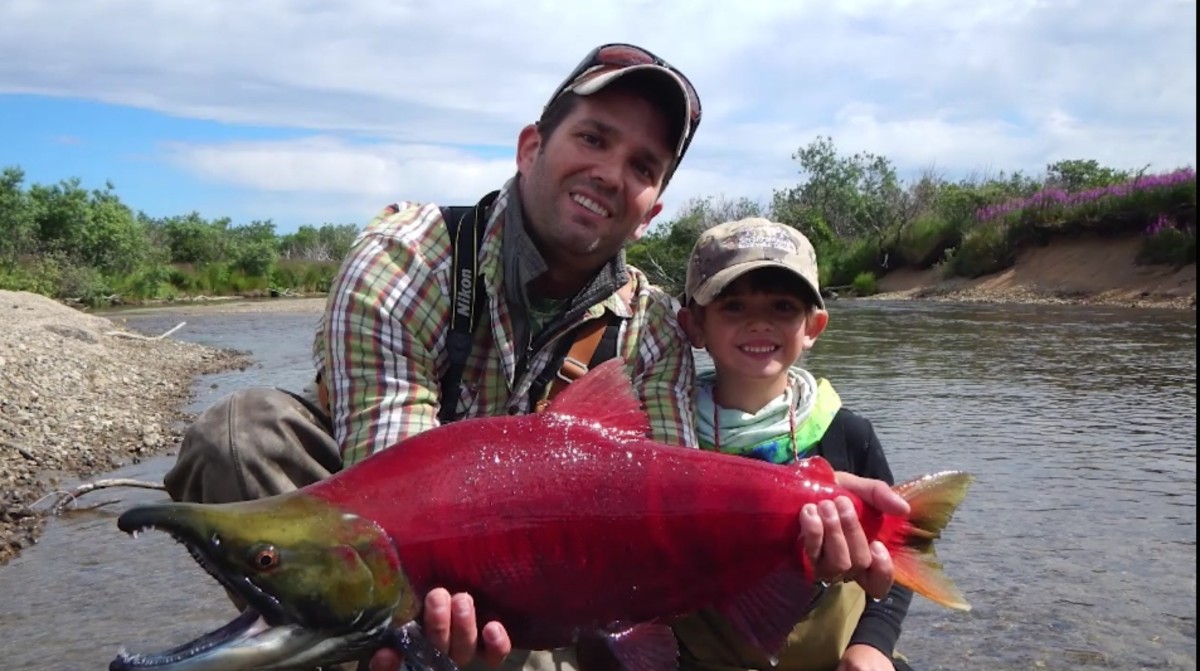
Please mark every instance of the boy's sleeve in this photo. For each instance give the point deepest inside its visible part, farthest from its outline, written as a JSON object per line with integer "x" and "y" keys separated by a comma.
{"x": 880, "y": 624}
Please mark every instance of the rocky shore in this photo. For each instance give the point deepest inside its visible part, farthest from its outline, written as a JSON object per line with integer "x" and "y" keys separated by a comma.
{"x": 79, "y": 396}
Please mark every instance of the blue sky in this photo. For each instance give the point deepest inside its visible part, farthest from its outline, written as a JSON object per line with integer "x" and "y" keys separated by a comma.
{"x": 305, "y": 112}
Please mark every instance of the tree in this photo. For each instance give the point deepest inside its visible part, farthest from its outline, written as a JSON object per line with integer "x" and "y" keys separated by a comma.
{"x": 843, "y": 197}
{"x": 1079, "y": 175}
{"x": 18, "y": 217}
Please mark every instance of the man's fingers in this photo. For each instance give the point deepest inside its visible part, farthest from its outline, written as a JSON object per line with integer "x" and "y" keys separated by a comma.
{"x": 463, "y": 630}
{"x": 437, "y": 619}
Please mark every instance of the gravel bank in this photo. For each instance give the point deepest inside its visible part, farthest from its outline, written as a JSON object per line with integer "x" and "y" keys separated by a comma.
{"x": 77, "y": 400}
{"x": 961, "y": 292}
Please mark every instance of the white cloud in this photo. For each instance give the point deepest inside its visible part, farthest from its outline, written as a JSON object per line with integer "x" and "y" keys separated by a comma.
{"x": 400, "y": 94}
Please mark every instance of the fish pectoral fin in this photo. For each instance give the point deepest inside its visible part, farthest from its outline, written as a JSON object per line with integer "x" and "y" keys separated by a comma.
{"x": 641, "y": 647}
{"x": 767, "y": 613}
{"x": 410, "y": 642}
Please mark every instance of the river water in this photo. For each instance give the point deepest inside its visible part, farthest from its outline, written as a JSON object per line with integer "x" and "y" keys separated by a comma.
{"x": 1076, "y": 545}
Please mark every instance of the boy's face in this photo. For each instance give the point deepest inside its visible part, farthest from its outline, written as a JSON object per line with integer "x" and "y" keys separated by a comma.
{"x": 754, "y": 333}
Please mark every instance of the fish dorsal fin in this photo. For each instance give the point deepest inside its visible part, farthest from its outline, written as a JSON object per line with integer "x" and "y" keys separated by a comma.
{"x": 604, "y": 395}
{"x": 766, "y": 614}
{"x": 641, "y": 647}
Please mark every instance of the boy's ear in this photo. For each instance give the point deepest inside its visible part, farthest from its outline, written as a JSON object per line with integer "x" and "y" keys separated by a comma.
{"x": 814, "y": 325}
{"x": 689, "y": 319}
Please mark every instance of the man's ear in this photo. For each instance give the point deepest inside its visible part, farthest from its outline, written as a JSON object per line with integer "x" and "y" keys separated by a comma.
{"x": 814, "y": 325}
{"x": 645, "y": 225}
{"x": 690, "y": 319}
{"x": 529, "y": 143}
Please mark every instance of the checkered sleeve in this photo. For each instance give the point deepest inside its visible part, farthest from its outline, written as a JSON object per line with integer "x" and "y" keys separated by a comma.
{"x": 381, "y": 332}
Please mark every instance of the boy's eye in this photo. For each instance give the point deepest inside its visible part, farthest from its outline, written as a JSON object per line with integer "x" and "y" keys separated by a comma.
{"x": 789, "y": 307}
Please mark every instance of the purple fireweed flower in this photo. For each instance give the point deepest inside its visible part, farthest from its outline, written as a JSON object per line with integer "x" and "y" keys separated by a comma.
{"x": 1047, "y": 198}
{"x": 1162, "y": 223}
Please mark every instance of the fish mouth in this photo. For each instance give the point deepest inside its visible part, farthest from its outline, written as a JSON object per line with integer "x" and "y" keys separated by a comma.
{"x": 244, "y": 627}
{"x": 262, "y": 636}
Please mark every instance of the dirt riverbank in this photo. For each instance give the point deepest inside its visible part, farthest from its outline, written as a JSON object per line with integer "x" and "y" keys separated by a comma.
{"x": 1086, "y": 271}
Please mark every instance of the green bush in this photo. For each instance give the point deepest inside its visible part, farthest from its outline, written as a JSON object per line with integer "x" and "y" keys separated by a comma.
{"x": 307, "y": 276}
{"x": 840, "y": 263}
{"x": 984, "y": 250}
{"x": 1169, "y": 246}
{"x": 925, "y": 241}
{"x": 86, "y": 285}
{"x": 865, "y": 284}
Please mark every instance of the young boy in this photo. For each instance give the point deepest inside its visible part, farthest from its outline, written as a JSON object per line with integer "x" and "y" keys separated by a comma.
{"x": 753, "y": 302}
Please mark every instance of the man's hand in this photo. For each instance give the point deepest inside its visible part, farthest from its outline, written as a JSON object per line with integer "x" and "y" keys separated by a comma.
{"x": 835, "y": 541}
{"x": 451, "y": 627}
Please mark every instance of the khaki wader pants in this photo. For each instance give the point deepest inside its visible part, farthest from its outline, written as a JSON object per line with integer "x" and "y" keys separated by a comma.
{"x": 262, "y": 441}
{"x": 708, "y": 643}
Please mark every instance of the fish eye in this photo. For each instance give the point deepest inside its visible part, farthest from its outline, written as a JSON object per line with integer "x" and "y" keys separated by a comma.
{"x": 266, "y": 558}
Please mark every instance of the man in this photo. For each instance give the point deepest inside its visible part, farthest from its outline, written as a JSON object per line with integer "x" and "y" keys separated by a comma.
{"x": 550, "y": 259}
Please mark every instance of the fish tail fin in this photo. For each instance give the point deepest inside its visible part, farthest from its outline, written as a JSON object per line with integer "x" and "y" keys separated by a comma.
{"x": 933, "y": 500}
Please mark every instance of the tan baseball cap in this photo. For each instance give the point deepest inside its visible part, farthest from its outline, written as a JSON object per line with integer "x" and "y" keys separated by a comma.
{"x": 727, "y": 251}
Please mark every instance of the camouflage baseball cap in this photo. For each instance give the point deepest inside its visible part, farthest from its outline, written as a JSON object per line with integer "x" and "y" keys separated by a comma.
{"x": 727, "y": 251}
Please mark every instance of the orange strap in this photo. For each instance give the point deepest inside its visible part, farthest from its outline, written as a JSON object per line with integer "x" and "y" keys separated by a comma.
{"x": 575, "y": 365}
{"x": 587, "y": 339}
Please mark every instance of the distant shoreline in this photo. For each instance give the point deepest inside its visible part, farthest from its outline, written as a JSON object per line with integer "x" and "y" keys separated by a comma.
{"x": 1067, "y": 271}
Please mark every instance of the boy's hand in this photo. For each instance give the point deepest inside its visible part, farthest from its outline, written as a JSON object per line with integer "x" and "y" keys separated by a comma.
{"x": 835, "y": 541}
{"x": 861, "y": 657}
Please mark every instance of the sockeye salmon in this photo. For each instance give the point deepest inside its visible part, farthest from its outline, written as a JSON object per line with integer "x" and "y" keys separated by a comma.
{"x": 567, "y": 526}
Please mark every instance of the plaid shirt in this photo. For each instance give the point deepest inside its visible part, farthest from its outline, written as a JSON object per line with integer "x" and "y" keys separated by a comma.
{"x": 381, "y": 343}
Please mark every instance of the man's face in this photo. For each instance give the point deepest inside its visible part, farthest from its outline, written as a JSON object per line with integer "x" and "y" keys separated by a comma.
{"x": 594, "y": 183}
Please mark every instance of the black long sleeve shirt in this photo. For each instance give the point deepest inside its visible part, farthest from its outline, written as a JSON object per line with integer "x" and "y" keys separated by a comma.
{"x": 851, "y": 445}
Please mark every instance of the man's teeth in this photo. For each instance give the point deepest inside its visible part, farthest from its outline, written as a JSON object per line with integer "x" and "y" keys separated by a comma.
{"x": 591, "y": 205}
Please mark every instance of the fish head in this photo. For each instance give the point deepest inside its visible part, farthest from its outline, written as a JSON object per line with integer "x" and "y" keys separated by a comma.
{"x": 320, "y": 585}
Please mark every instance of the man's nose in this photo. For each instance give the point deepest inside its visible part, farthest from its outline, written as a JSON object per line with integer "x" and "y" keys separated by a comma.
{"x": 606, "y": 173}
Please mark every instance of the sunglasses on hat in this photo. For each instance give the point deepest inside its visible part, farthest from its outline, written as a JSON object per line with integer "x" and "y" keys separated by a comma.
{"x": 609, "y": 57}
